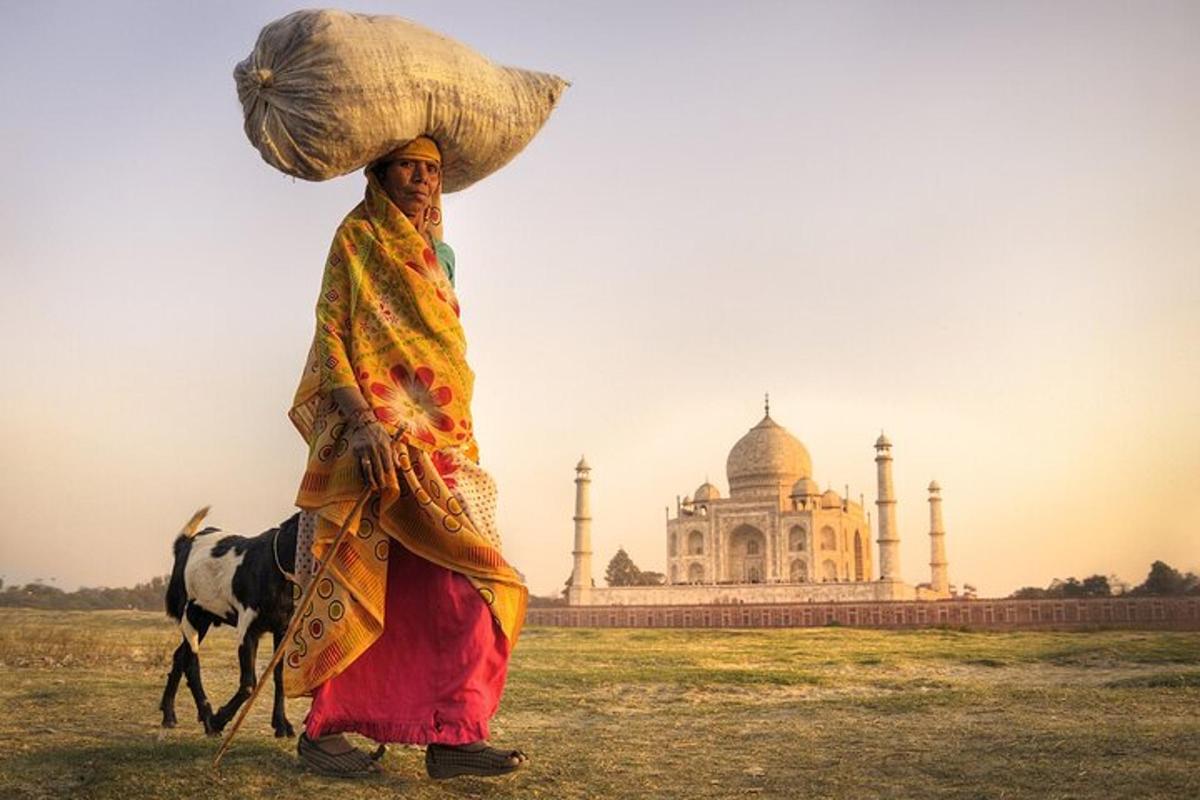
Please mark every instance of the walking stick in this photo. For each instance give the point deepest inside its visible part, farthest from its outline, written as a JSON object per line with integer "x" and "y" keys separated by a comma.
{"x": 297, "y": 616}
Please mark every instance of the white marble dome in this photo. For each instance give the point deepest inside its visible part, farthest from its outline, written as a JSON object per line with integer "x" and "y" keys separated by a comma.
{"x": 766, "y": 458}
{"x": 707, "y": 492}
{"x": 831, "y": 499}
{"x": 805, "y": 487}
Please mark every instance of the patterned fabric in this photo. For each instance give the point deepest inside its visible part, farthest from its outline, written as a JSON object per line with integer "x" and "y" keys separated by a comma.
{"x": 306, "y": 565}
{"x": 473, "y": 487}
{"x": 436, "y": 676}
{"x": 387, "y": 322}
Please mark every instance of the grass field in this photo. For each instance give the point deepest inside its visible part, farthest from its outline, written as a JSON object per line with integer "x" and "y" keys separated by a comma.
{"x": 648, "y": 714}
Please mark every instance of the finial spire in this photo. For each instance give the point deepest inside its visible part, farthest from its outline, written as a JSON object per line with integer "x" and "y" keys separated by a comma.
{"x": 767, "y": 403}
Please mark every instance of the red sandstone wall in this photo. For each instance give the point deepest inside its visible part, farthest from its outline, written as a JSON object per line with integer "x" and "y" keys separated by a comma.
{"x": 1178, "y": 613}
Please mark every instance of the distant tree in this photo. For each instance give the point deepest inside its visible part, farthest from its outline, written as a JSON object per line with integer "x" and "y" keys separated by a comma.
{"x": 621, "y": 571}
{"x": 1164, "y": 579}
{"x": 1091, "y": 586}
{"x": 1118, "y": 586}
{"x": 146, "y": 596}
{"x": 1070, "y": 587}
{"x": 651, "y": 579}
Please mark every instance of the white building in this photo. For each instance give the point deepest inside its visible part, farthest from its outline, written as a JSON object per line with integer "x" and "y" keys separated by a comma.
{"x": 776, "y": 538}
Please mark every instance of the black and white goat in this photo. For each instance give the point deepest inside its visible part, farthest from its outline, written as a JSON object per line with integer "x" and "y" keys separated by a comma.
{"x": 224, "y": 579}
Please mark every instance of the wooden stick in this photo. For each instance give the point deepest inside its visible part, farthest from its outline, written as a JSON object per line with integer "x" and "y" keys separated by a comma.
{"x": 297, "y": 617}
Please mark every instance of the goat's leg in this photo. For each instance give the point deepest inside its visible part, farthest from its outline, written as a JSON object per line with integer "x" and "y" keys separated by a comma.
{"x": 179, "y": 662}
{"x": 247, "y": 652}
{"x": 204, "y": 712}
{"x": 279, "y": 720}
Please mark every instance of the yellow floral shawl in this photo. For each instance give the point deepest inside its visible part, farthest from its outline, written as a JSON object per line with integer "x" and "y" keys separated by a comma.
{"x": 387, "y": 322}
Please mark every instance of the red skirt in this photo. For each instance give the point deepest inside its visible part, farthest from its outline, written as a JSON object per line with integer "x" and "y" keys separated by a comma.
{"x": 436, "y": 673}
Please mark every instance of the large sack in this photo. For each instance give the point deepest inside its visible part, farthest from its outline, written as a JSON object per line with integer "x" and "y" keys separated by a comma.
{"x": 327, "y": 92}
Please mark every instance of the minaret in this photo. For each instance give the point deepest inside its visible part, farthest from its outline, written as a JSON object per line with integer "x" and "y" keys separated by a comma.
{"x": 889, "y": 534}
{"x": 939, "y": 579}
{"x": 580, "y": 592}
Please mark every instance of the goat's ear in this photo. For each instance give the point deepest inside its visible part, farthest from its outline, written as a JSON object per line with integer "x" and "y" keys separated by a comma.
{"x": 189, "y": 530}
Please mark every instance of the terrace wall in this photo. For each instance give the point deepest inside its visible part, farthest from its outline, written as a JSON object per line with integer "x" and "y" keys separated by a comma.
{"x": 1171, "y": 613}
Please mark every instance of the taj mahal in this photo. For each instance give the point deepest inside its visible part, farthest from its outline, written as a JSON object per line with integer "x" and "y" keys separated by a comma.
{"x": 777, "y": 538}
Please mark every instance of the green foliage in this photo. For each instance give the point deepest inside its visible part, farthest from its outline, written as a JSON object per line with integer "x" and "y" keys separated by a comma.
{"x": 621, "y": 571}
{"x": 1164, "y": 579}
{"x": 1092, "y": 586}
{"x": 146, "y": 596}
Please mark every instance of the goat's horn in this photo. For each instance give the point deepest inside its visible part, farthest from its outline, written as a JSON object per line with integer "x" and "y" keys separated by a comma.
{"x": 189, "y": 530}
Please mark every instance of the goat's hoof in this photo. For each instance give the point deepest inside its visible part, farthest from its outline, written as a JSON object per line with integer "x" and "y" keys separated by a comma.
{"x": 285, "y": 733}
{"x": 169, "y": 722}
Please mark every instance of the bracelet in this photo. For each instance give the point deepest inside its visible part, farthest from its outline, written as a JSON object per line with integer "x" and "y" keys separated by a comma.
{"x": 361, "y": 418}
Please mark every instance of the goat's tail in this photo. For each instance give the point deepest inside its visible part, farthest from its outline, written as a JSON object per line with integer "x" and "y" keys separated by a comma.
{"x": 193, "y": 524}
{"x": 176, "y": 599}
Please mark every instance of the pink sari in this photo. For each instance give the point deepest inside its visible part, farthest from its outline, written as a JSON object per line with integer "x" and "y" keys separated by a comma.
{"x": 436, "y": 673}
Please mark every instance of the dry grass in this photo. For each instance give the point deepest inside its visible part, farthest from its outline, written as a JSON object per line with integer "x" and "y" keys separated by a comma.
{"x": 647, "y": 714}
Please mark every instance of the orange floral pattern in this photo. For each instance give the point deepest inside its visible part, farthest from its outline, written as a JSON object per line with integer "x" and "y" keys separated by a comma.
{"x": 388, "y": 324}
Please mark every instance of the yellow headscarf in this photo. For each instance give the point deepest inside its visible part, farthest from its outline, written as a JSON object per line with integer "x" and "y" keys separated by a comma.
{"x": 420, "y": 149}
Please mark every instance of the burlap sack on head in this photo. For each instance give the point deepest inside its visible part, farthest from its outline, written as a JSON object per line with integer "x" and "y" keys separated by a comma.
{"x": 327, "y": 92}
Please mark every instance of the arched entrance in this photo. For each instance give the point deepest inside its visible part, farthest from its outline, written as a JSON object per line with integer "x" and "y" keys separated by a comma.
{"x": 745, "y": 560}
{"x": 828, "y": 538}
{"x": 799, "y": 571}
{"x": 797, "y": 539}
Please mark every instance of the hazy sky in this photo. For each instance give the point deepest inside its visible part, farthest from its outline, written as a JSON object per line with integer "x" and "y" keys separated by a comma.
{"x": 974, "y": 226}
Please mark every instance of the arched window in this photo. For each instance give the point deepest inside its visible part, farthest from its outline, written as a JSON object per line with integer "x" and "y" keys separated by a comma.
{"x": 753, "y": 575}
{"x": 828, "y": 539}
{"x": 671, "y": 551}
{"x": 828, "y": 570}
{"x": 696, "y": 573}
{"x": 799, "y": 571}
{"x": 752, "y": 547}
{"x": 797, "y": 540}
{"x": 696, "y": 543}
{"x": 858, "y": 557}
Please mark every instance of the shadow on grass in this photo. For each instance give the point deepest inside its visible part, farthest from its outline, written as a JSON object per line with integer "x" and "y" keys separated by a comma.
{"x": 128, "y": 768}
{"x": 1189, "y": 679}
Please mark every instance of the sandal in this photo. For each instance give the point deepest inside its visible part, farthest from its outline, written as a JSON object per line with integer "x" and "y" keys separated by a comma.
{"x": 446, "y": 761}
{"x": 353, "y": 763}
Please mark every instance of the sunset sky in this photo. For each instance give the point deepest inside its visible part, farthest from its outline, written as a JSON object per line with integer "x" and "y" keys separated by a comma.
{"x": 974, "y": 226}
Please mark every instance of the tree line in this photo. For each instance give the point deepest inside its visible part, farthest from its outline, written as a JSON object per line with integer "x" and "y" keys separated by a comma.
{"x": 146, "y": 596}
{"x": 1163, "y": 580}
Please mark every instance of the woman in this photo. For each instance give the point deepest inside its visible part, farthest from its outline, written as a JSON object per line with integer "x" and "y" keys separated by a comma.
{"x": 408, "y": 637}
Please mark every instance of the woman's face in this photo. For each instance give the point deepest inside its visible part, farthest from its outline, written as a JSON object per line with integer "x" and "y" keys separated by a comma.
{"x": 411, "y": 184}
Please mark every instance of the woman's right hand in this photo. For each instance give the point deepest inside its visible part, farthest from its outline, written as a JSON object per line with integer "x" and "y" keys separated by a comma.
{"x": 373, "y": 448}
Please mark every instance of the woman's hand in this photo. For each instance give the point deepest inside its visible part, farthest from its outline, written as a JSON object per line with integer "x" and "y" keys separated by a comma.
{"x": 373, "y": 448}
{"x": 368, "y": 440}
